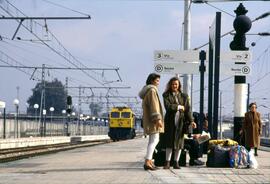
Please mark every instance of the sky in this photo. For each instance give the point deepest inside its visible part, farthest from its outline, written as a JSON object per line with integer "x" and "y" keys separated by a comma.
{"x": 121, "y": 34}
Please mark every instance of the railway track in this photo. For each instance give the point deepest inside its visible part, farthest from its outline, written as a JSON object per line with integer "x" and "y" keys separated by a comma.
{"x": 7, "y": 155}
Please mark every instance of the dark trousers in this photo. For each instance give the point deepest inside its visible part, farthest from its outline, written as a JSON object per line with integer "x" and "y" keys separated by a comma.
{"x": 193, "y": 148}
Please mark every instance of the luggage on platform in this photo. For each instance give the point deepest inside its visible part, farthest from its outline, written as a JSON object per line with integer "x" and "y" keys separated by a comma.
{"x": 223, "y": 142}
{"x": 218, "y": 156}
{"x": 159, "y": 157}
{"x": 239, "y": 157}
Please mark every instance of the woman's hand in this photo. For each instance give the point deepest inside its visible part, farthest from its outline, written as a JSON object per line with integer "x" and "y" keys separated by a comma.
{"x": 240, "y": 132}
{"x": 181, "y": 107}
{"x": 193, "y": 124}
{"x": 158, "y": 124}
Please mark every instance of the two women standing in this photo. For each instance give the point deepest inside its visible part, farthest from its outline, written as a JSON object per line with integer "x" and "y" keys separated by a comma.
{"x": 178, "y": 113}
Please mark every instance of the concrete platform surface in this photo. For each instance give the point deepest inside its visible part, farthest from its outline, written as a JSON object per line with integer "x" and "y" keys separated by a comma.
{"x": 40, "y": 141}
{"x": 120, "y": 162}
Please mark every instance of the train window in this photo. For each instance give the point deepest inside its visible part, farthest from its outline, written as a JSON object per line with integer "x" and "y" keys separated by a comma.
{"x": 125, "y": 114}
{"x": 115, "y": 114}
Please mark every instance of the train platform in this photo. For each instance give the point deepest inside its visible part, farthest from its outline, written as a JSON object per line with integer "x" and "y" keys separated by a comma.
{"x": 121, "y": 162}
{"x": 42, "y": 141}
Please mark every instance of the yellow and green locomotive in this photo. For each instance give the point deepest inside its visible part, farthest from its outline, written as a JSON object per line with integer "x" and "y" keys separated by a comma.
{"x": 121, "y": 123}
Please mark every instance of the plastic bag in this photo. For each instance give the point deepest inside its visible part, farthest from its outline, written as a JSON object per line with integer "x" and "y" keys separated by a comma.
{"x": 239, "y": 157}
{"x": 252, "y": 160}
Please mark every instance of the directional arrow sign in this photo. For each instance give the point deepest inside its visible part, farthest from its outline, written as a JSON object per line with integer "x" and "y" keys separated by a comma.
{"x": 176, "y": 67}
{"x": 235, "y": 69}
{"x": 227, "y": 68}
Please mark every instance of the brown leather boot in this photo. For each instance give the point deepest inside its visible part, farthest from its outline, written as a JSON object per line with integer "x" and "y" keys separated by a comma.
{"x": 167, "y": 165}
{"x": 147, "y": 165}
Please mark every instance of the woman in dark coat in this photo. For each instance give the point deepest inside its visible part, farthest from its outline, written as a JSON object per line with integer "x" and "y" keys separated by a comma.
{"x": 178, "y": 116}
{"x": 252, "y": 128}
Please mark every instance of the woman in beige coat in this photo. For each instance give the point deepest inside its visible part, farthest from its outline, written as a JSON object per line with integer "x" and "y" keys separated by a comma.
{"x": 152, "y": 117}
{"x": 252, "y": 128}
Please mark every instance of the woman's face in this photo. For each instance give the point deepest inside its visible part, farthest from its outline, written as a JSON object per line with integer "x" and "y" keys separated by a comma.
{"x": 175, "y": 86}
{"x": 155, "y": 82}
{"x": 253, "y": 108}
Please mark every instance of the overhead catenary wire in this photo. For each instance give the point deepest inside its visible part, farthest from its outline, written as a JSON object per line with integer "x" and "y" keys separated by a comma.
{"x": 59, "y": 5}
{"x": 219, "y": 9}
{"x": 74, "y": 61}
{"x": 67, "y": 56}
{"x": 10, "y": 43}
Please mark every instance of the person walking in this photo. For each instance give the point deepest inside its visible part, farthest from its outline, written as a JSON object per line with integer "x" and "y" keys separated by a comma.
{"x": 177, "y": 118}
{"x": 152, "y": 117}
{"x": 251, "y": 128}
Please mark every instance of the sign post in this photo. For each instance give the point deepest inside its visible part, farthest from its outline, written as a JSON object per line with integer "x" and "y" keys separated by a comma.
{"x": 202, "y": 70}
{"x": 214, "y": 71}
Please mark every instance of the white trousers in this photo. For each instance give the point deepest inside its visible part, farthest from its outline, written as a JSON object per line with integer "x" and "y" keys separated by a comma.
{"x": 152, "y": 143}
{"x": 169, "y": 154}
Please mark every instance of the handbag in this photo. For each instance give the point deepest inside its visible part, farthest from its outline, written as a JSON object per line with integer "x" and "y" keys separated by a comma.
{"x": 186, "y": 125}
{"x": 186, "y": 129}
{"x": 183, "y": 157}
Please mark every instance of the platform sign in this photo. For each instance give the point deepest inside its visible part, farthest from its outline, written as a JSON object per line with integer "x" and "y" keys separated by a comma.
{"x": 235, "y": 56}
{"x": 235, "y": 69}
{"x": 2, "y": 105}
{"x": 176, "y": 67}
{"x": 176, "y": 55}
{"x": 187, "y": 62}
{"x": 193, "y": 56}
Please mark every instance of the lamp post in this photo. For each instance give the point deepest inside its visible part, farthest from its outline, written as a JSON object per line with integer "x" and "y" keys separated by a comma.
{"x": 241, "y": 24}
{"x": 51, "y": 110}
{"x": 16, "y": 124}
{"x": 36, "y": 106}
{"x": 43, "y": 129}
{"x": 63, "y": 115}
{"x": 79, "y": 127}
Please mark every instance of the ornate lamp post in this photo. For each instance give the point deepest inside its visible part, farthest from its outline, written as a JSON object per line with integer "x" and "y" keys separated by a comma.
{"x": 241, "y": 24}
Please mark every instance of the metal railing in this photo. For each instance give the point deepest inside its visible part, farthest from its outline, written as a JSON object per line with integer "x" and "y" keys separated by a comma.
{"x": 27, "y": 127}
